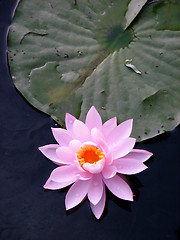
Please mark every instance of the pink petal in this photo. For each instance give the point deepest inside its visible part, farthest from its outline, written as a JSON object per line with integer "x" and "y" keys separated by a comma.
{"x": 99, "y": 207}
{"x": 81, "y": 131}
{"x": 108, "y": 126}
{"x": 138, "y": 154}
{"x": 93, "y": 119}
{"x": 95, "y": 189}
{"x": 95, "y": 167}
{"x": 64, "y": 174}
{"x": 65, "y": 155}
{"x": 123, "y": 130}
{"x": 109, "y": 158}
{"x": 129, "y": 166}
{"x": 74, "y": 145}
{"x": 109, "y": 171}
{"x": 123, "y": 147}
{"x": 50, "y": 152}
{"x": 103, "y": 146}
{"x": 69, "y": 120}
{"x": 97, "y": 137}
{"x": 119, "y": 188}
{"x": 76, "y": 193}
{"x": 62, "y": 136}
{"x": 56, "y": 185}
{"x": 85, "y": 175}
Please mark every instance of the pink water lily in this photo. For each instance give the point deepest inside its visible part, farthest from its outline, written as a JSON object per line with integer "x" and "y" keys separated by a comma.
{"x": 93, "y": 155}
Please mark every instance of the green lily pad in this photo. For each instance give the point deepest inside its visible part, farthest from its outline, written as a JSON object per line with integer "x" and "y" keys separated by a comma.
{"x": 66, "y": 56}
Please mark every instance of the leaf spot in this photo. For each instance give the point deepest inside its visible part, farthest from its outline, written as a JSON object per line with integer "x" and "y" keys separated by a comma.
{"x": 50, "y": 4}
{"x": 130, "y": 65}
{"x": 66, "y": 55}
{"x": 170, "y": 118}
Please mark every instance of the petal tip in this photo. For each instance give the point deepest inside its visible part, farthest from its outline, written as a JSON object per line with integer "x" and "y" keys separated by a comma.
{"x": 131, "y": 120}
{"x": 67, "y": 208}
{"x": 131, "y": 197}
{"x": 46, "y": 184}
{"x": 93, "y": 107}
{"x": 41, "y": 148}
{"x": 53, "y": 130}
{"x": 145, "y": 167}
{"x": 150, "y": 154}
{"x": 93, "y": 119}
{"x": 98, "y": 216}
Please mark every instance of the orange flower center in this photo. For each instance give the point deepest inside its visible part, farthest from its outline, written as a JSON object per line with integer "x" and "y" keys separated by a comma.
{"x": 89, "y": 154}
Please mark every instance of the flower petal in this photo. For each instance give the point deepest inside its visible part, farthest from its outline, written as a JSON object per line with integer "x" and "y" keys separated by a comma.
{"x": 139, "y": 154}
{"x": 69, "y": 120}
{"x": 74, "y": 145}
{"x": 83, "y": 175}
{"x": 93, "y": 119}
{"x": 119, "y": 188}
{"x": 81, "y": 131}
{"x": 62, "y": 136}
{"x": 108, "y": 126}
{"x": 94, "y": 168}
{"x": 123, "y": 130}
{"x": 64, "y": 173}
{"x": 76, "y": 193}
{"x": 50, "y": 152}
{"x": 129, "y": 166}
{"x": 98, "y": 137}
{"x": 123, "y": 147}
{"x": 57, "y": 185}
{"x": 99, "y": 207}
{"x": 65, "y": 155}
{"x": 109, "y": 171}
{"x": 95, "y": 189}
{"x": 109, "y": 158}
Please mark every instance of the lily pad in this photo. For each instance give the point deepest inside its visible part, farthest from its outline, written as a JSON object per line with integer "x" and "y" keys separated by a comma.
{"x": 66, "y": 56}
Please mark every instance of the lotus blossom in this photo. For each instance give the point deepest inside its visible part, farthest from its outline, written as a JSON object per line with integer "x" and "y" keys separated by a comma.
{"x": 93, "y": 155}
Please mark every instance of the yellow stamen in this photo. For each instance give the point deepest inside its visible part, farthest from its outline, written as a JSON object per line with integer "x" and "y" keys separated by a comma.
{"x": 89, "y": 154}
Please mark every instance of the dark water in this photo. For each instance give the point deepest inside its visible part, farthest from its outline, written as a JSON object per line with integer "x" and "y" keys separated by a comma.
{"x": 27, "y": 212}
